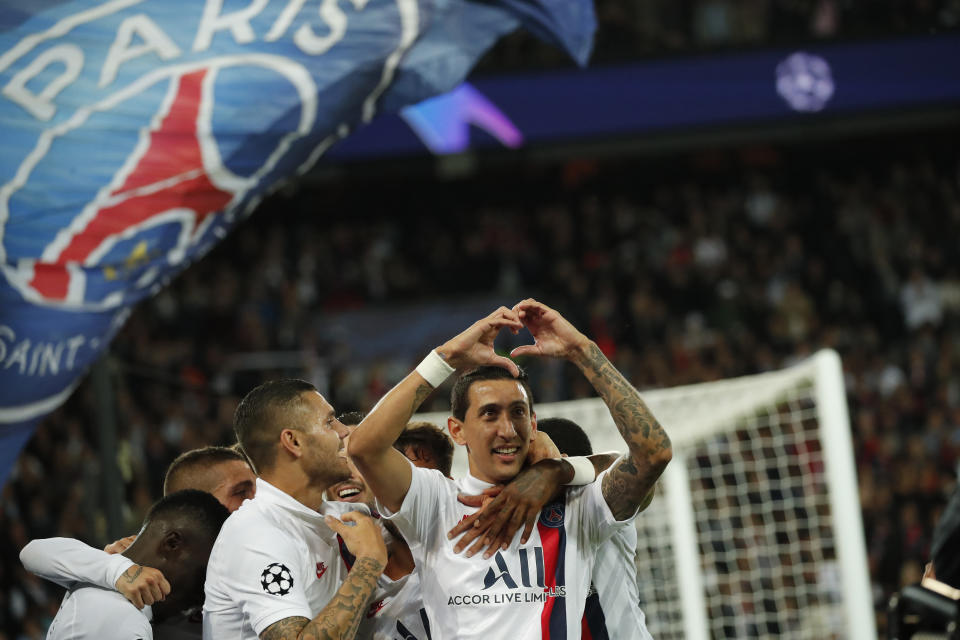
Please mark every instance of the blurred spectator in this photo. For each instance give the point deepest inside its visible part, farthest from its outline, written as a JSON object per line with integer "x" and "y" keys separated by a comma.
{"x": 921, "y": 300}
{"x": 631, "y": 29}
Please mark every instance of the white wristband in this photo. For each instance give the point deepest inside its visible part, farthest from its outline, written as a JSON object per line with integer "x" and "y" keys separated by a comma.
{"x": 583, "y": 471}
{"x": 434, "y": 369}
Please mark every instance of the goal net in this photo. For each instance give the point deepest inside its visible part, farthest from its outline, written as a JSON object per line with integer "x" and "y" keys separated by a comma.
{"x": 755, "y": 529}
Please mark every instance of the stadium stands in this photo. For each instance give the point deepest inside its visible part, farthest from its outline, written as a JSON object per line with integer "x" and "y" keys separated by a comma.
{"x": 649, "y": 28}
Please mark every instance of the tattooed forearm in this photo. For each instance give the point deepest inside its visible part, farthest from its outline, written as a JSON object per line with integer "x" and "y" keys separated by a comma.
{"x": 341, "y": 617}
{"x": 628, "y": 484}
{"x": 130, "y": 577}
{"x": 419, "y": 396}
{"x": 541, "y": 481}
{"x": 286, "y": 629}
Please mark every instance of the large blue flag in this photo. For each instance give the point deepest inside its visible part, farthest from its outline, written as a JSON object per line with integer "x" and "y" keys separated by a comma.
{"x": 136, "y": 133}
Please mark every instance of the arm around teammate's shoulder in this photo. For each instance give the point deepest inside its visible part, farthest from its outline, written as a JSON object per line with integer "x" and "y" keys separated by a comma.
{"x": 69, "y": 562}
{"x": 341, "y": 617}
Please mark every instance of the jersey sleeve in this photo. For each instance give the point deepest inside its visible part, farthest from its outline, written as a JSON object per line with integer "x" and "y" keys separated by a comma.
{"x": 264, "y": 578}
{"x": 70, "y": 563}
{"x": 595, "y": 518}
{"x": 417, "y": 517}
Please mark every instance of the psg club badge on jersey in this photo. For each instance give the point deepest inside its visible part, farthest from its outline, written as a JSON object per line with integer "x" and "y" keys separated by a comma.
{"x": 552, "y": 516}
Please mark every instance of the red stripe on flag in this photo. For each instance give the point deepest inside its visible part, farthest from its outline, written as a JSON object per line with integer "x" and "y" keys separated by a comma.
{"x": 550, "y": 539}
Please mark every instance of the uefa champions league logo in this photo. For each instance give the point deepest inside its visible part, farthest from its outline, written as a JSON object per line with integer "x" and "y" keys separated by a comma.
{"x": 805, "y": 82}
{"x": 276, "y": 579}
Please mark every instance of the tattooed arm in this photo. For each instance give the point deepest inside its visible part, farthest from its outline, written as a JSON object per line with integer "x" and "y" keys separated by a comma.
{"x": 341, "y": 617}
{"x": 385, "y": 469}
{"x": 70, "y": 563}
{"x": 142, "y": 585}
{"x": 629, "y": 485}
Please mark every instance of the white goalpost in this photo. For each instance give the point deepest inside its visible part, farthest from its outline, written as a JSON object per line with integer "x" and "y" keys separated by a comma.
{"x": 755, "y": 531}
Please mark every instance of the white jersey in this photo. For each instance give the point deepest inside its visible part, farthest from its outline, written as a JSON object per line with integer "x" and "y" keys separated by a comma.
{"x": 613, "y": 607}
{"x": 71, "y": 563}
{"x": 92, "y": 613}
{"x": 275, "y": 558}
{"x": 396, "y": 611}
{"x": 532, "y": 591}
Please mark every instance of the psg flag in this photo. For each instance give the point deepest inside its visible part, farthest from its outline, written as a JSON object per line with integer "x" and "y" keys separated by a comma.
{"x": 136, "y": 133}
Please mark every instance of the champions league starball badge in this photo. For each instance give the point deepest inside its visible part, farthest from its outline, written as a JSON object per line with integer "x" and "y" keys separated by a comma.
{"x": 805, "y": 82}
{"x": 276, "y": 579}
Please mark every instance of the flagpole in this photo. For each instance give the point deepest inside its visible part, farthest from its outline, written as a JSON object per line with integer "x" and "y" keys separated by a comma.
{"x": 102, "y": 375}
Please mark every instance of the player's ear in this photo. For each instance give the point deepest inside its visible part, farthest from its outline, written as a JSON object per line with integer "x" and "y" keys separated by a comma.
{"x": 171, "y": 543}
{"x": 290, "y": 442}
{"x": 455, "y": 427}
{"x": 533, "y": 426}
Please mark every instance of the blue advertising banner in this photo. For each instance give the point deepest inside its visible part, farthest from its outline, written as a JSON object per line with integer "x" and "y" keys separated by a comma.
{"x": 755, "y": 87}
{"x": 137, "y": 133}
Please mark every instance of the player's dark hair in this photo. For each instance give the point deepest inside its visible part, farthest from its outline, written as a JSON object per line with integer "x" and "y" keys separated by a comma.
{"x": 190, "y": 462}
{"x": 459, "y": 395}
{"x": 203, "y": 512}
{"x": 352, "y": 418}
{"x": 569, "y": 437}
{"x": 431, "y": 438}
{"x": 263, "y": 414}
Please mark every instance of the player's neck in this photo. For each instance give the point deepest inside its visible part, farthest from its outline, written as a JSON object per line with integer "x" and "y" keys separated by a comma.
{"x": 291, "y": 480}
{"x": 478, "y": 476}
{"x": 142, "y": 551}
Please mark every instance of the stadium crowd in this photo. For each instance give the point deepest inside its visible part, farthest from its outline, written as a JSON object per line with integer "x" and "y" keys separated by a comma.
{"x": 682, "y": 270}
{"x": 645, "y": 28}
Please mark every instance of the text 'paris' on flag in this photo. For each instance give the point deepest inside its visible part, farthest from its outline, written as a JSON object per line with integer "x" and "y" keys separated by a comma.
{"x": 137, "y": 133}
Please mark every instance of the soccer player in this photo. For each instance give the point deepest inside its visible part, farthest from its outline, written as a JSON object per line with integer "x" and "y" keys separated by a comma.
{"x": 613, "y": 606}
{"x": 426, "y": 446}
{"x": 537, "y": 586}
{"x": 220, "y": 471}
{"x": 396, "y": 609}
{"x": 176, "y": 539}
{"x": 276, "y": 571}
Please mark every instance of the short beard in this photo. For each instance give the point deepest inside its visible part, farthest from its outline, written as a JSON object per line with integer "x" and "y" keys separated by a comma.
{"x": 328, "y": 476}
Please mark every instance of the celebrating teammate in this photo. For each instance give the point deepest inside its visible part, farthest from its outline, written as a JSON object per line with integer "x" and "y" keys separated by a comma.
{"x": 426, "y": 446}
{"x": 276, "y": 571}
{"x": 396, "y": 609}
{"x": 538, "y": 584}
{"x": 221, "y": 471}
{"x": 613, "y": 606}
{"x": 176, "y": 538}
